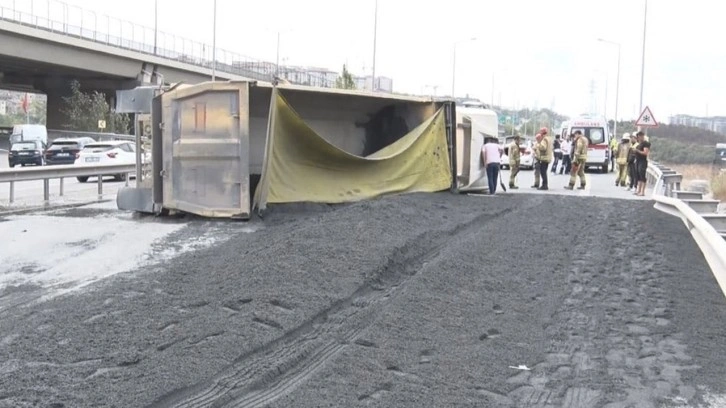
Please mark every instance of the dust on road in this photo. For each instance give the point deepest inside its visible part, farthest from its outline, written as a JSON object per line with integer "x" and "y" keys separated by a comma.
{"x": 419, "y": 300}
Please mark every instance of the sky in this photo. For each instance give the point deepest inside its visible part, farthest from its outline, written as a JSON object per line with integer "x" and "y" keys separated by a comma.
{"x": 524, "y": 53}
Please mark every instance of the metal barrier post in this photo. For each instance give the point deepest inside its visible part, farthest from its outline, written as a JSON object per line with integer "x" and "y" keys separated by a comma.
{"x": 46, "y": 191}
{"x": 12, "y": 192}
{"x": 61, "y": 186}
{"x": 128, "y": 176}
{"x": 100, "y": 187}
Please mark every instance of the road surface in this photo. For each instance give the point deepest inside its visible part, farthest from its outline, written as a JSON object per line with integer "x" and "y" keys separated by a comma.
{"x": 423, "y": 300}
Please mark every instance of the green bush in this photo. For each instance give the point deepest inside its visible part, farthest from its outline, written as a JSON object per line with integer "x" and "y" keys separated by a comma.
{"x": 675, "y": 152}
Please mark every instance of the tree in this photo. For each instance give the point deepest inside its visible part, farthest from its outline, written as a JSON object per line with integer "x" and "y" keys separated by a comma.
{"x": 345, "y": 80}
{"x": 84, "y": 110}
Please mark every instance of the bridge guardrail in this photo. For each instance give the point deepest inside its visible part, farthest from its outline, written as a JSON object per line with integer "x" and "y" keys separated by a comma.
{"x": 62, "y": 18}
{"x": 47, "y": 173}
{"x": 712, "y": 245}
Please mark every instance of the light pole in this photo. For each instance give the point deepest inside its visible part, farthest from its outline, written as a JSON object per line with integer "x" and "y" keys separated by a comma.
{"x": 453, "y": 69}
{"x": 617, "y": 86}
{"x": 642, "y": 63}
{"x": 375, "y": 38}
{"x": 277, "y": 59}
{"x": 214, "y": 43}
{"x": 156, "y": 23}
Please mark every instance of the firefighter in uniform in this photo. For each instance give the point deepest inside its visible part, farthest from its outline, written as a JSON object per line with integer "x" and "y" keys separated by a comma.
{"x": 613, "y": 152}
{"x": 545, "y": 157}
{"x": 537, "y": 157}
{"x": 579, "y": 159}
{"x": 622, "y": 160}
{"x": 514, "y": 157}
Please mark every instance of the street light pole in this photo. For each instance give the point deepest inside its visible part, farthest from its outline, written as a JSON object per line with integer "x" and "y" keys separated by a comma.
{"x": 617, "y": 87}
{"x": 642, "y": 63}
{"x": 277, "y": 59}
{"x": 156, "y": 23}
{"x": 214, "y": 44}
{"x": 453, "y": 69}
{"x": 375, "y": 39}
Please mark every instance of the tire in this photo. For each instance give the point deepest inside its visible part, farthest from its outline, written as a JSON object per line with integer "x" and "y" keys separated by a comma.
{"x": 604, "y": 168}
{"x": 82, "y": 179}
{"x": 120, "y": 177}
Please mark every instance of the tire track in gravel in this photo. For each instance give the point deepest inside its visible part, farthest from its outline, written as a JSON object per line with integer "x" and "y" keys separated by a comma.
{"x": 609, "y": 334}
{"x": 268, "y": 372}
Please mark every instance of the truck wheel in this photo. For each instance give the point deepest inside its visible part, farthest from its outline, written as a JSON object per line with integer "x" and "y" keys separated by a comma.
{"x": 604, "y": 168}
{"x": 82, "y": 179}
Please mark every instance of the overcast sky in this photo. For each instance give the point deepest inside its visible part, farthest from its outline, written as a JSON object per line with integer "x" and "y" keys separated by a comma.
{"x": 532, "y": 53}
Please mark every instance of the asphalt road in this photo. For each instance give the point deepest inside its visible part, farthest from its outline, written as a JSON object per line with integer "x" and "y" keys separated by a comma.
{"x": 424, "y": 300}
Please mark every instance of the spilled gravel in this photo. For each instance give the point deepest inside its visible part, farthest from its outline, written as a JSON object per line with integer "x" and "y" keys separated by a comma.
{"x": 411, "y": 301}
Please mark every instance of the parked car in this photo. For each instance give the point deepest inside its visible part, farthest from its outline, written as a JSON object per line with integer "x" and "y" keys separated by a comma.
{"x": 24, "y": 153}
{"x": 111, "y": 152}
{"x": 65, "y": 151}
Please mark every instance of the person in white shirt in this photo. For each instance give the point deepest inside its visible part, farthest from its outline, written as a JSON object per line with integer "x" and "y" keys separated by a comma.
{"x": 566, "y": 147}
{"x": 492, "y": 156}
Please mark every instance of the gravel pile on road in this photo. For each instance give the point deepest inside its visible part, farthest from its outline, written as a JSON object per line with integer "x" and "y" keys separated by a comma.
{"x": 424, "y": 300}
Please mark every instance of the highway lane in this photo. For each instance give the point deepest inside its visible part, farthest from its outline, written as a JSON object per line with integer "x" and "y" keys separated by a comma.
{"x": 422, "y": 300}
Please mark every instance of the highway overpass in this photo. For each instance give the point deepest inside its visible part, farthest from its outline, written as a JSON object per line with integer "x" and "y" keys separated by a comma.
{"x": 38, "y": 54}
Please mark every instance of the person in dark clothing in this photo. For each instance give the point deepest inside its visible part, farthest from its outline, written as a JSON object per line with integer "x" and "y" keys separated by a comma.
{"x": 558, "y": 154}
{"x": 641, "y": 162}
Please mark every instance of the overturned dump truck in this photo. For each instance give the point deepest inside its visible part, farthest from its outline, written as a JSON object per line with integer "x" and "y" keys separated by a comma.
{"x": 223, "y": 149}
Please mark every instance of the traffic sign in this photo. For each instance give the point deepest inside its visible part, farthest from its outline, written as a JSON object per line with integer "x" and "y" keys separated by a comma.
{"x": 646, "y": 119}
{"x": 102, "y": 124}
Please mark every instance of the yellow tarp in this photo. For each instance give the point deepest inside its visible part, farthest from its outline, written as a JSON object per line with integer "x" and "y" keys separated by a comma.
{"x": 301, "y": 166}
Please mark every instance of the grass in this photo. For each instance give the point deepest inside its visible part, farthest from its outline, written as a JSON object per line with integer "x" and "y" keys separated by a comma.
{"x": 718, "y": 186}
{"x": 692, "y": 172}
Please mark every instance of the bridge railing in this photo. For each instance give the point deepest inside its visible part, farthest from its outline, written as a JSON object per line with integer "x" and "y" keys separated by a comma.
{"x": 71, "y": 20}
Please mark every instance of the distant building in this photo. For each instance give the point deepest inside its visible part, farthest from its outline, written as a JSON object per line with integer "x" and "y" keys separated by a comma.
{"x": 320, "y": 77}
{"x": 383, "y": 84}
{"x": 714, "y": 124}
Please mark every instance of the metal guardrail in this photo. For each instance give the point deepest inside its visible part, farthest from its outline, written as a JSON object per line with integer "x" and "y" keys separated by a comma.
{"x": 47, "y": 173}
{"x": 712, "y": 245}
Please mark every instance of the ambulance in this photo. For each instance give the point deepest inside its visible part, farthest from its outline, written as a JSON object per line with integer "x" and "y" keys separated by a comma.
{"x": 595, "y": 129}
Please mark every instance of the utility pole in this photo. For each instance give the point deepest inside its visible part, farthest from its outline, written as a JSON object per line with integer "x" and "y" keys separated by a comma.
{"x": 214, "y": 43}
{"x": 375, "y": 35}
{"x": 156, "y": 23}
{"x": 642, "y": 63}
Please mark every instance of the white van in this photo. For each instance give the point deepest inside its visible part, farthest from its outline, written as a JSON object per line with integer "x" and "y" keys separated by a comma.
{"x": 27, "y": 133}
{"x": 595, "y": 129}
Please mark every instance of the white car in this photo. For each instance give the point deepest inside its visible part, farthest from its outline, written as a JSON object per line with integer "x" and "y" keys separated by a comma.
{"x": 111, "y": 152}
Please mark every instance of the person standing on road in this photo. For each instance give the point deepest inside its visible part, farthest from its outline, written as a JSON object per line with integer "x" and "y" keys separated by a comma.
{"x": 578, "y": 167}
{"x": 537, "y": 156}
{"x": 613, "y": 152}
{"x": 641, "y": 162}
{"x": 558, "y": 154}
{"x": 546, "y": 153}
{"x": 514, "y": 157}
{"x": 492, "y": 156}
{"x": 631, "y": 163}
{"x": 622, "y": 160}
{"x": 566, "y": 157}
